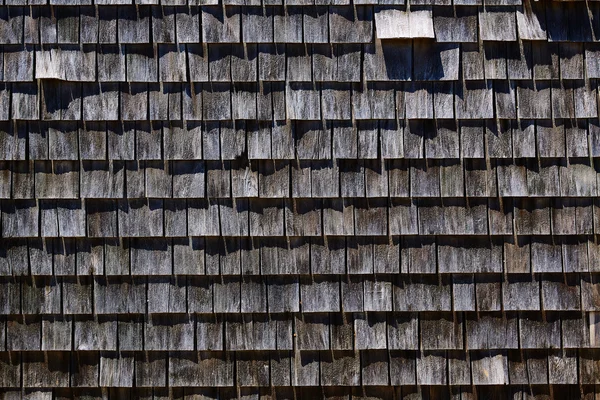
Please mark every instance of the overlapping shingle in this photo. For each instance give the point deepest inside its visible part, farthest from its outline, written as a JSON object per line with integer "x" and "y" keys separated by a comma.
{"x": 383, "y": 199}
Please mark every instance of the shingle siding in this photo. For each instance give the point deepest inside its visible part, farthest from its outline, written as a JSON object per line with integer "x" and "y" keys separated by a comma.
{"x": 331, "y": 199}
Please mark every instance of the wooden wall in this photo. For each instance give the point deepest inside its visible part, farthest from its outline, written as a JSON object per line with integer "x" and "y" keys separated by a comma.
{"x": 310, "y": 199}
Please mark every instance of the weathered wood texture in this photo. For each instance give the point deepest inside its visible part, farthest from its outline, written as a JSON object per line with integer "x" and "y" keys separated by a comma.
{"x": 387, "y": 199}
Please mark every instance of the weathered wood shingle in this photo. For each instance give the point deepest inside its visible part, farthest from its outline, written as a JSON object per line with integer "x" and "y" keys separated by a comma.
{"x": 245, "y": 199}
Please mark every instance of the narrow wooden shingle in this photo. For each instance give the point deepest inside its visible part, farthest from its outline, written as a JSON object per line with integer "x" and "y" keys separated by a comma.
{"x": 531, "y": 21}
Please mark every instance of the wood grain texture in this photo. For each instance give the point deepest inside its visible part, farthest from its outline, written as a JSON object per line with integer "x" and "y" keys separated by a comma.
{"x": 302, "y": 199}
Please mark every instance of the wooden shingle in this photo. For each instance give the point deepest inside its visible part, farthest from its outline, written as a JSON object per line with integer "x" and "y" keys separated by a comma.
{"x": 388, "y": 60}
{"x": 300, "y": 200}
{"x": 396, "y": 23}
{"x": 220, "y": 24}
{"x": 491, "y": 17}
{"x": 531, "y": 21}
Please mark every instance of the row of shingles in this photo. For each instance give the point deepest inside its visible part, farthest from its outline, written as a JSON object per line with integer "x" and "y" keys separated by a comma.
{"x": 311, "y": 24}
{"x": 336, "y": 63}
{"x": 460, "y": 365}
{"x": 311, "y": 392}
{"x": 168, "y": 3}
{"x": 309, "y": 331}
{"x": 316, "y": 144}
{"x": 312, "y": 334}
{"x": 218, "y": 369}
{"x": 316, "y": 294}
{"x": 298, "y": 101}
{"x": 231, "y": 256}
{"x": 552, "y": 21}
{"x": 210, "y": 24}
{"x": 194, "y": 3}
{"x": 397, "y": 179}
{"x": 537, "y": 359}
{"x": 195, "y": 24}
{"x": 290, "y": 218}
{"x": 297, "y": 62}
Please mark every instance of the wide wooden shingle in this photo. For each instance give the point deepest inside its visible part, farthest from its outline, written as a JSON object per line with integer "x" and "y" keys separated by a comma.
{"x": 396, "y": 23}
